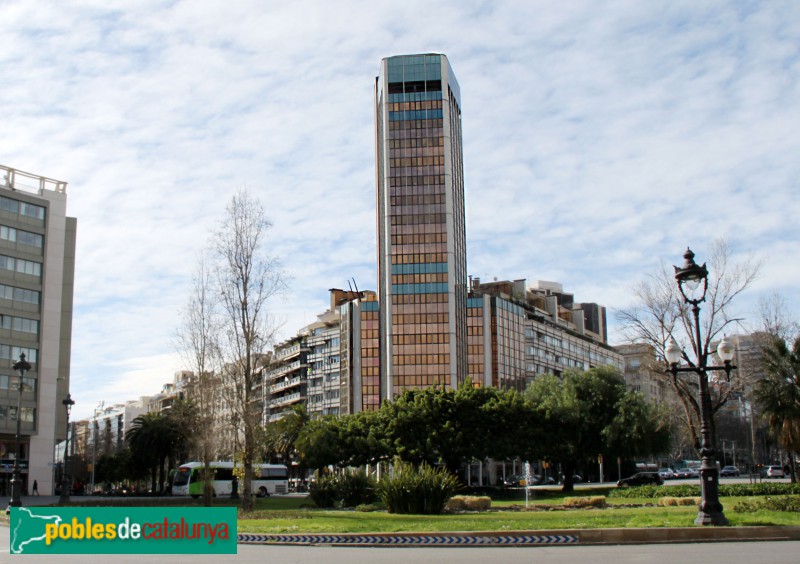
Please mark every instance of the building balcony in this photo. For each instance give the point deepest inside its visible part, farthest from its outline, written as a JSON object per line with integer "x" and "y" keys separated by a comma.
{"x": 283, "y": 370}
{"x": 287, "y": 384}
{"x": 287, "y": 399}
{"x": 288, "y": 352}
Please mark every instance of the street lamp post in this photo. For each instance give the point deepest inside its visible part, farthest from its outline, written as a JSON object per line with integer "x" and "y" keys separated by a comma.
{"x": 21, "y": 366}
{"x": 689, "y": 279}
{"x": 68, "y": 402}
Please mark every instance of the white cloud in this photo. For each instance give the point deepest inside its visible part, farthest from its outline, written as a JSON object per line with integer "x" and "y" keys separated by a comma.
{"x": 600, "y": 139}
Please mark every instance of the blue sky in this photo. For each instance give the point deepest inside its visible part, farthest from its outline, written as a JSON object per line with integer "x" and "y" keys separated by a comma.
{"x": 600, "y": 139}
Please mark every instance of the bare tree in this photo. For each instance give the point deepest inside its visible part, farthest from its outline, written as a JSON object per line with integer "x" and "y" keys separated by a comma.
{"x": 198, "y": 342}
{"x": 660, "y": 314}
{"x": 776, "y": 318}
{"x": 247, "y": 277}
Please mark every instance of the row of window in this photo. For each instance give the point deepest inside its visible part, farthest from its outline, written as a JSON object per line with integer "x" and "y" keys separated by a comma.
{"x": 417, "y": 161}
{"x": 20, "y": 236}
{"x": 418, "y": 319}
{"x": 419, "y": 299}
{"x": 418, "y": 199}
{"x": 19, "y": 294}
{"x": 416, "y": 170}
{"x": 421, "y": 339}
{"x": 20, "y": 265}
{"x": 419, "y": 238}
{"x": 12, "y": 383}
{"x": 418, "y": 210}
{"x": 419, "y": 218}
{"x": 421, "y": 229}
{"x": 419, "y": 180}
{"x": 7, "y": 352}
{"x": 22, "y": 324}
{"x": 415, "y": 115}
{"x": 9, "y": 413}
{"x": 416, "y": 143}
{"x": 418, "y": 105}
{"x": 423, "y": 327}
{"x": 414, "y": 258}
{"x": 21, "y": 208}
{"x": 418, "y": 278}
{"x": 432, "y": 127}
{"x": 423, "y": 288}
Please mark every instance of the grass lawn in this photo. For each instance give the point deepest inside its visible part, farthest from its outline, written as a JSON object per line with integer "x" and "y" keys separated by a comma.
{"x": 295, "y": 515}
{"x": 268, "y": 518}
{"x": 318, "y": 521}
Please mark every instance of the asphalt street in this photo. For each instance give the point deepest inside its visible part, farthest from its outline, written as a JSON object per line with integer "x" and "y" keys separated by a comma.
{"x": 708, "y": 553}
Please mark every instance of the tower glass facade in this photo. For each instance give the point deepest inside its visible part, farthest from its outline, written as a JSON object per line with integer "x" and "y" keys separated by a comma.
{"x": 421, "y": 224}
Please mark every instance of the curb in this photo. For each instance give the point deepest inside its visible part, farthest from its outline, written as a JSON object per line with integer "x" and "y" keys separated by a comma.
{"x": 532, "y": 538}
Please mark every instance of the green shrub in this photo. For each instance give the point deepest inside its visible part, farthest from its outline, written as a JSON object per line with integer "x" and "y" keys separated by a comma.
{"x": 347, "y": 489}
{"x": 725, "y": 490}
{"x": 780, "y": 503}
{"x": 418, "y": 491}
{"x": 355, "y": 488}
{"x": 597, "y": 501}
{"x": 323, "y": 491}
{"x": 369, "y": 507}
{"x": 469, "y": 503}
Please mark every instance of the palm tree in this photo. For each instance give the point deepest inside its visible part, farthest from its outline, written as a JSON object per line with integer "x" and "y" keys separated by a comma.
{"x": 155, "y": 438}
{"x": 778, "y": 396}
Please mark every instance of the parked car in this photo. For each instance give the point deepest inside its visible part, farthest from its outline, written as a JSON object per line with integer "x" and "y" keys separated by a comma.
{"x": 775, "y": 472}
{"x": 666, "y": 473}
{"x": 686, "y": 473}
{"x": 641, "y": 479}
{"x": 729, "y": 471}
{"x": 544, "y": 481}
{"x": 514, "y": 481}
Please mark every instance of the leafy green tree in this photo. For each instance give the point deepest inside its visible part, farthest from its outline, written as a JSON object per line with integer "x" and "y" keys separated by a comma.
{"x": 318, "y": 443}
{"x": 778, "y": 395}
{"x": 424, "y": 426}
{"x": 585, "y": 414}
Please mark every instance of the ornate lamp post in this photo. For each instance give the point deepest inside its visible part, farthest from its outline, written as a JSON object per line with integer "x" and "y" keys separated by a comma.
{"x": 68, "y": 402}
{"x": 689, "y": 279}
{"x": 21, "y": 366}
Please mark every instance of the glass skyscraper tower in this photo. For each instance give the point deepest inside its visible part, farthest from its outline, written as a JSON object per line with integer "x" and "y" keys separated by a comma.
{"x": 422, "y": 257}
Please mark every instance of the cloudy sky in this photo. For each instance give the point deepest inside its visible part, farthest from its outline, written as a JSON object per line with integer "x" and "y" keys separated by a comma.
{"x": 600, "y": 139}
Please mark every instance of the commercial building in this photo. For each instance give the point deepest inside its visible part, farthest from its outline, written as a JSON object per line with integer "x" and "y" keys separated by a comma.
{"x": 422, "y": 255}
{"x": 517, "y": 332}
{"x": 37, "y": 269}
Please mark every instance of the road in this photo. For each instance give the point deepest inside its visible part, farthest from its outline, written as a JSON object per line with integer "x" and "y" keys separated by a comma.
{"x": 708, "y": 553}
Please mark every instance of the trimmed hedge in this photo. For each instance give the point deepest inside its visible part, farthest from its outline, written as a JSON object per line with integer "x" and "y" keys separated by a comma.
{"x": 780, "y": 503}
{"x": 725, "y": 490}
{"x": 469, "y": 503}
{"x": 597, "y": 501}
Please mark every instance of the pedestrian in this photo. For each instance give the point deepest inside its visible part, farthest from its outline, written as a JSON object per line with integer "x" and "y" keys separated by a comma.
{"x": 35, "y": 487}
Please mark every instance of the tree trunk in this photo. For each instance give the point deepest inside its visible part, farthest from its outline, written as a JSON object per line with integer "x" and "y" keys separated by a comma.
{"x": 569, "y": 470}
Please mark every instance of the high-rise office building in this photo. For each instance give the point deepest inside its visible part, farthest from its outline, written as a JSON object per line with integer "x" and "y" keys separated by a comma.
{"x": 422, "y": 257}
{"x": 37, "y": 268}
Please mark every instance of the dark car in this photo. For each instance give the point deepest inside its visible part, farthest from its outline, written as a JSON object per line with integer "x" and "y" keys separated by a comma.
{"x": 514, "y": 481}
{"x": 642, "y": 479}
{"x": 729, "y": 471}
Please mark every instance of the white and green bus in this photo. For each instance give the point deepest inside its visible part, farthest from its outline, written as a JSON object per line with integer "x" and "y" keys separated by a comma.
{"x": 267, "y": 479}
